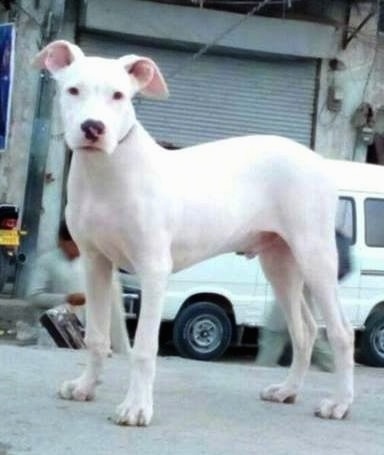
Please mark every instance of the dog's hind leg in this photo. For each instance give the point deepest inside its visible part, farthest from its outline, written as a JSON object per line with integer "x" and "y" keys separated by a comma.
{"x": 98, "y": 314}
{"x": 283, "y": 273}
{"x": 320, "y": 275}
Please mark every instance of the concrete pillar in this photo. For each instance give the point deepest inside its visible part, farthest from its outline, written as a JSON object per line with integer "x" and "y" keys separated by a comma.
{"x": 360, "y": 81}
{"x": 14, "y": 160}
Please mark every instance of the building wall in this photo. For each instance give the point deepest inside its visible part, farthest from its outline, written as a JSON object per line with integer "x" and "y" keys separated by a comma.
{"x": 194, "y": 27}
{"x": 361, "y": 81}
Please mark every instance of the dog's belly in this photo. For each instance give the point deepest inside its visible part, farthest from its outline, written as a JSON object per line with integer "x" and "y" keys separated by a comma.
{"x": 250, "y": 245}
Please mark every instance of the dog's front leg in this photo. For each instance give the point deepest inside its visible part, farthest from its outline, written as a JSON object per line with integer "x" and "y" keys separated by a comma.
{"x": 137, "y": 408}
{"x": 98, "y": 308}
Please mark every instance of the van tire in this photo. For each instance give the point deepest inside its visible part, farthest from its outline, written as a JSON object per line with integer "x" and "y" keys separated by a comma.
{"x": 372, "y": 340}
{"x": 202, "y": 331}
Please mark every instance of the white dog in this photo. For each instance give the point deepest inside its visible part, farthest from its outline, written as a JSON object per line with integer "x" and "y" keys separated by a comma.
{"x": 133, "y": 204}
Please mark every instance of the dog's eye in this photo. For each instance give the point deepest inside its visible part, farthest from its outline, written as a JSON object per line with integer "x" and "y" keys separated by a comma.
{"x": 73, "y": 90}
{"x": 118, "y": 96}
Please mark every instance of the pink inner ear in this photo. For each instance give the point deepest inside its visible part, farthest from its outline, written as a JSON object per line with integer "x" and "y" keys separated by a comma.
{"x": 58, "y": 58}
{"x": 150, "y": 78}
{"x": 142, "y": 71}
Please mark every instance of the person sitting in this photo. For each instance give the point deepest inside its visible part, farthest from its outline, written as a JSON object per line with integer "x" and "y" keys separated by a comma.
{"x": 58, "y": 278}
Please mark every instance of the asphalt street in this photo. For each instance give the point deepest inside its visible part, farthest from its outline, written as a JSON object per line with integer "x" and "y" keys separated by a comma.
{"x": 200, "y": 409}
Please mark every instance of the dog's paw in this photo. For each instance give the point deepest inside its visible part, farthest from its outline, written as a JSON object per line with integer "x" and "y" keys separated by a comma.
{"x": 279, "y": 393}
{"x": 77, "y": 389}
{"x": 134, "y": 412}
{"x": 332, "y": 409}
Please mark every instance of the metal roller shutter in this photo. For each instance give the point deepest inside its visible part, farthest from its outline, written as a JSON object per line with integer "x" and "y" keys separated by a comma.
{"x": 219, "y": 96}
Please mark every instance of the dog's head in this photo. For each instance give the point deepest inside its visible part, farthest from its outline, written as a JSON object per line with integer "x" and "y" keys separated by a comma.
{"x": 96, "y": 93}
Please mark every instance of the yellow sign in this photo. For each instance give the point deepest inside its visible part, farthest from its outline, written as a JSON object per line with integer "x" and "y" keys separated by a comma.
{"x": 9, "y": 237}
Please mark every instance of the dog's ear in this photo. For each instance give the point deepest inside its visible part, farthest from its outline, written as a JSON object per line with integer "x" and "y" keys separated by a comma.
{"x": 147, "y": 75}
{"x": 57, "y": 55}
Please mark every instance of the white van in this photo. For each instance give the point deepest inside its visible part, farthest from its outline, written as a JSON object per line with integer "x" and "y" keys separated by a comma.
{"x": 219, "y": 301}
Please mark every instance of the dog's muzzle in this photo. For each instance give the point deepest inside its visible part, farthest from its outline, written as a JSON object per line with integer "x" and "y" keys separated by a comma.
{"x": 92, "y": 129}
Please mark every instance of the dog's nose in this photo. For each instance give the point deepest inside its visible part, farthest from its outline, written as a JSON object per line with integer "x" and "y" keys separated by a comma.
{"x": 92, "y": 129}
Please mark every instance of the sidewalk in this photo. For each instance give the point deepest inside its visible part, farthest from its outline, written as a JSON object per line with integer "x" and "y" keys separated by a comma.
{"x": 201, "y": 409}
{"x": 12, "y": 310}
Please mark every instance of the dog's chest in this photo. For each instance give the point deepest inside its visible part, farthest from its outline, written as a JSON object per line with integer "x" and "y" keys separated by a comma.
{"x": 102, "y": 232}
{"x": 98, "y": 223}
{"x": 90, "y": 216}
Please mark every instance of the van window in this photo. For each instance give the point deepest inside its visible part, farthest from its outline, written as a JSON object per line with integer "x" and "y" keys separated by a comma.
{"x": 374, "y": 222}
{"x": 345, "y": 218}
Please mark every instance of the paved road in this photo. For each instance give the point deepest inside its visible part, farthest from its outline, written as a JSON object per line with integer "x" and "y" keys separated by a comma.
{"x": 201, "y": 409}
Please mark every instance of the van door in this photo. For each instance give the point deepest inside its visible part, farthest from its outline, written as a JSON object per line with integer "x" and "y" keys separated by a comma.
{"x": 372, "y": 253}
{"x": 229, "y": 275}
{"x": 348, "y": 211}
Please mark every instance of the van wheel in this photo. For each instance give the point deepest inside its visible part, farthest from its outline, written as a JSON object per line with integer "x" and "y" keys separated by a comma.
{"x": 372, "y": 340}
{"x": 202, "y": 331}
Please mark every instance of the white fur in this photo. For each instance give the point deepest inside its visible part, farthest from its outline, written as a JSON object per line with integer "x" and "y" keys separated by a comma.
{"x": 133, "y": 204}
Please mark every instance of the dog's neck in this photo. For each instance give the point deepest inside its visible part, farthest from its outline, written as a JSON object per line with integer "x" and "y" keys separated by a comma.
{"x": 126, "y": 135}
{"x": 136, "y": 154}
{"x": 137, "y": 145}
